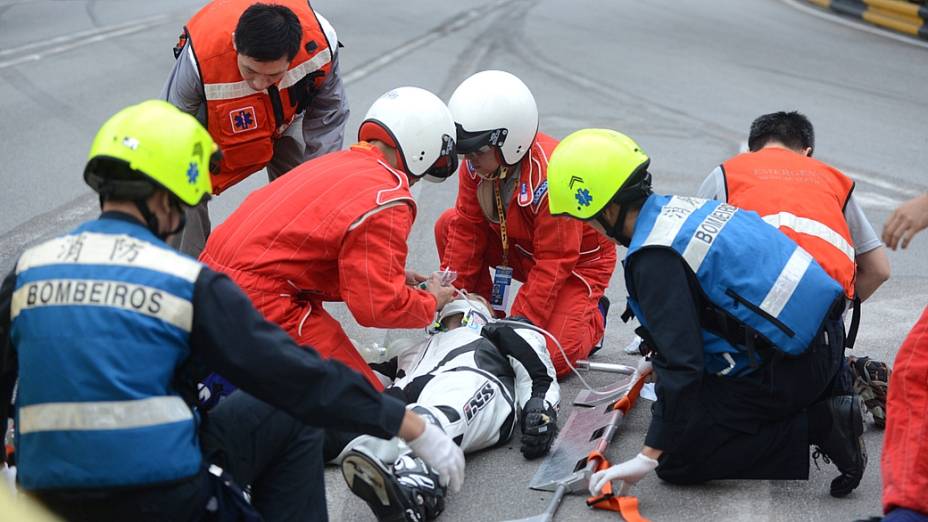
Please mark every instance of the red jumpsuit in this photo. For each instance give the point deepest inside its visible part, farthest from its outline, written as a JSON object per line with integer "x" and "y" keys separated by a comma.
{"x": 332, "y": 229}
{"x": 905, "y": 445}
{"x": 564, "y": 264}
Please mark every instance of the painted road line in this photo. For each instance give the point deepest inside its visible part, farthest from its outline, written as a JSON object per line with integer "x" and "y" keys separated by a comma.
{"x": 884, "y": 184}
{"x": 874, "y": 200}
{"x": 75, "y": 40}
{"x": 458, "y": 22}
{"x": 78, "y": 35}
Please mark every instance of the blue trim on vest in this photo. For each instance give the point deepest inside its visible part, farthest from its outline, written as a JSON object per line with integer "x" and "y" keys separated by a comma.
{"x": 745, "y": 258}
{"x": 81, "y": 353}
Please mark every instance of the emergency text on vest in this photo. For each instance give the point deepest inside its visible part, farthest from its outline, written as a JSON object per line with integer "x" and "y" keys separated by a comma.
{"x": 714, "y": 222}
{"x": 94, "y": 292}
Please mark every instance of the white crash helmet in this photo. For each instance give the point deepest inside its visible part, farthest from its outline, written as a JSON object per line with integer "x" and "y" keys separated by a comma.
{"x": 418, "y": 125}
{"x": 494, "y": 108}
{"x": 476, "y": 314}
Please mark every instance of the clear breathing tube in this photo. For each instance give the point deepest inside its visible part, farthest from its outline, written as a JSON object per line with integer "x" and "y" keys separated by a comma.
{"x": 549, "y": 335}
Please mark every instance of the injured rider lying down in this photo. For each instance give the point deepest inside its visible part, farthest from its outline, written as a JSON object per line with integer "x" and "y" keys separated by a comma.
{"x": 473, "y": 378}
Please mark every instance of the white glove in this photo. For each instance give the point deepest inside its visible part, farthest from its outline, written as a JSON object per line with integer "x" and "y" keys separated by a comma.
{"x": 441, "y": 453}
{"x": 644, "y": 366}
{"x": 630, "y": 471}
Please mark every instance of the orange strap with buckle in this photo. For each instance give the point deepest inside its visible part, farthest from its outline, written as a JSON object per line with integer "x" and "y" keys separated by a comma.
{"x": 626, "y": 506}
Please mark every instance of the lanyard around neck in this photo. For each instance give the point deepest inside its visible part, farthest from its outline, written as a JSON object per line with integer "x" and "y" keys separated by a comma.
{"x": 501, "y": 212}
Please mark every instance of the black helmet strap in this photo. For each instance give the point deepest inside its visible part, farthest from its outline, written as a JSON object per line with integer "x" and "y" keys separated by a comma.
{"x": 636, "y": 189}
{"x": 151, "y": 220}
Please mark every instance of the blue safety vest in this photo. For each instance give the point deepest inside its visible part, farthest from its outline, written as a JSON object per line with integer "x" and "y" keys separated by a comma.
{"x": 101, "y": 320}
{"x": 753, "y": 276}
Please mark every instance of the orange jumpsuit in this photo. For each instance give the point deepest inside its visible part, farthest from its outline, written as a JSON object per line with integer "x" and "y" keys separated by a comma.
{"x": 332, "y": 229}
{"x": 905, "y": 445}
{"x": 564, "y": 264}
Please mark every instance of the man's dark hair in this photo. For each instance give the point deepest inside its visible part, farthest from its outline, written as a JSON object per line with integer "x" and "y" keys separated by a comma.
{"x": 792, "y": 129}
{"x": 267, "y": 33}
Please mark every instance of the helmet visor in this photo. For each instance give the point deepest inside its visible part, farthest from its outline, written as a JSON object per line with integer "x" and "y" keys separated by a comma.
{"x": 470, "y": 142}
{"x": 446, "y": 164}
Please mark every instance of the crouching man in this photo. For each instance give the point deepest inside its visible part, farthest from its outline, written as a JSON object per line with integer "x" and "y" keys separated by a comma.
{"x": 745, "y": 325}
{"x": 475, "y": 380}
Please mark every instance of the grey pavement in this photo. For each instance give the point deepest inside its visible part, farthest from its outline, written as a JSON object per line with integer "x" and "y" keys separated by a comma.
{"x": 684, "y": 78}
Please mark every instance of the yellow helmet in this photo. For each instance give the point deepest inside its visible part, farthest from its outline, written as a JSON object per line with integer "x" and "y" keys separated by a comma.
{"x": 152, "y": 144}
{"x": 590, "y": 167}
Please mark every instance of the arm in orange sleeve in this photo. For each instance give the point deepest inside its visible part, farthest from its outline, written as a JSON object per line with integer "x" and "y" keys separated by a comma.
{"x": 466, "y": 242}
{"x": 556, "y": 243}
{"x": 371, "y": 272}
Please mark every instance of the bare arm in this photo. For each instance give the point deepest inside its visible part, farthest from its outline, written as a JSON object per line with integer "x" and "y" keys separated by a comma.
{"x": 872, "y": 271}
{"x": 907, "y": 220}
{"x": 869, "y": 254}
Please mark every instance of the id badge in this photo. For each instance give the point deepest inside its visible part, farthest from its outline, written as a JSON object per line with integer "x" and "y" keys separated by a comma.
{"x": 499, "y": 296}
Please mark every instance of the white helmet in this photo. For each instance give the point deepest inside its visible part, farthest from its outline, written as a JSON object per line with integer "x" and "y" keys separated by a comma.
{"x": 476, "y": 314}
{"x": 419, "y": 126}
{"x": 494, "y": 108}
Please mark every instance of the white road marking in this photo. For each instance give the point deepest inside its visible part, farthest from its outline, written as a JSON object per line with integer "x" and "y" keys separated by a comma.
{"x": 61, "y": 44}
{"x": 859, "y": 25}
{"x": 460, "y": 23}
{"x": 883, "y": 184}
{"x": 874, "y": 200}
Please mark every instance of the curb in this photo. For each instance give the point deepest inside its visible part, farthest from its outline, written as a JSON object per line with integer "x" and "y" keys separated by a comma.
{"x": 897, "y": 15}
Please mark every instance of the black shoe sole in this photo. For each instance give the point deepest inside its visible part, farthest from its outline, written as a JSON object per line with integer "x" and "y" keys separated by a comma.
{"x": 843, "y": 485}
{"x": 369, "y": 479}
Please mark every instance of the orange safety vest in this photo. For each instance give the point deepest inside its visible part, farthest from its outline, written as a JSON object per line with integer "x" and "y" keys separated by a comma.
{"x": 244, "y": 122}
{"x": 804, "y": 198}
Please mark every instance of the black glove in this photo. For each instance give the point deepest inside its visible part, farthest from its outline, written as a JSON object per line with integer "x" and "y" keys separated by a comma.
{"x": 539, "y": 428}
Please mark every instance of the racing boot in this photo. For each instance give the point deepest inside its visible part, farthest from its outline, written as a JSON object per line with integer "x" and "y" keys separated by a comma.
{"x": 843, "y": 444}
{"x": 871, "y": 382}
{"x": 409, "y": 492}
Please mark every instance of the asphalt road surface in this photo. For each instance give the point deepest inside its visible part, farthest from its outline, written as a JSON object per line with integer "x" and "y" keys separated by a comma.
{"x": 684, "y": 78}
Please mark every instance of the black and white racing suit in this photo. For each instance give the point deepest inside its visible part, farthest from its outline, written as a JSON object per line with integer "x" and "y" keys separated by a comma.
{"x": 471, "y": 387}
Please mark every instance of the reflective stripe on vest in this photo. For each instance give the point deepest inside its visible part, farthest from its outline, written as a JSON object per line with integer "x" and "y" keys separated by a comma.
{"x": 747, "y": 269}
{"x": 91, "y": 248}
{"x": 803, "y": 197}
{"x": 812, "y": 228}
{"x": 101, "y": 320}
{"x": 111, "y": 415}
{"x": 228, "y": 91}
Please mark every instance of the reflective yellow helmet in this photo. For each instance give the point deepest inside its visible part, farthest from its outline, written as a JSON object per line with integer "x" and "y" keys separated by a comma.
{"x": 590, "y": 167}
{"x": 152, "y": 144}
